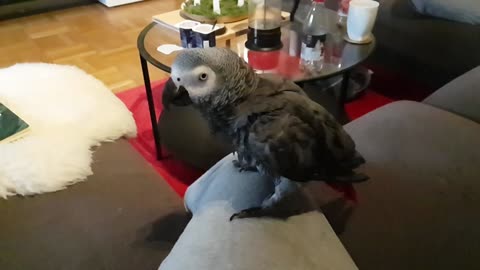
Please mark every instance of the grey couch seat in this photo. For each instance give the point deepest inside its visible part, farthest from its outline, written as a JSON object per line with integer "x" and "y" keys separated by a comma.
{"x": 460, "y": 96}
{"x": 123, "y": 217}
{"x": 420, "y": 208}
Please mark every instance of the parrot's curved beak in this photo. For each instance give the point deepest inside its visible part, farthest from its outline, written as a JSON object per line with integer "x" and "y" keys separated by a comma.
{"x": 173, "y": 95}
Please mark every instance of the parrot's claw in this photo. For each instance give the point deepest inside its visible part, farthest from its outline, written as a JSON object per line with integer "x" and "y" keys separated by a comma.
{"x": 247, "y": 213}
{"x": 243, "y": 167}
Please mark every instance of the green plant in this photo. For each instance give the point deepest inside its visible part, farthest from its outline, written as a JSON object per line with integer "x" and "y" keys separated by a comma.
{"x": 227, "y": 8}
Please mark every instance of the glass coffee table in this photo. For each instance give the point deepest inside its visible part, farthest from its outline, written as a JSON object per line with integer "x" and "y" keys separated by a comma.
{"x": 184, "y": 132}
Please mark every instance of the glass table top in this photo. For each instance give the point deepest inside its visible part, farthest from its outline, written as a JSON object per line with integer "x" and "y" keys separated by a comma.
{"x": 339, "y": 54}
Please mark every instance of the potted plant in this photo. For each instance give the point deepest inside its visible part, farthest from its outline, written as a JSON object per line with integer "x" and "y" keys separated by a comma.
{"x": 222, "y": 11}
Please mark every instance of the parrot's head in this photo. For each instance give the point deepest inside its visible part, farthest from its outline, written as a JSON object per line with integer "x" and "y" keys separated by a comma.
{"x": 209, "y": 74}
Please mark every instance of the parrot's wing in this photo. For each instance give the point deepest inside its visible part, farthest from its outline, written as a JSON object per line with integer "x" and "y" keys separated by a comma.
{"x": 272, "y": 84}
{"x": 282, "y": 146}
{"x": 341, "y": 155}
{"x": 294, "y": 137}
{"x": 287, "y": 146}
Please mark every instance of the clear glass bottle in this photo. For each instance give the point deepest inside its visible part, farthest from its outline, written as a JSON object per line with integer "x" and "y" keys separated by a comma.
{"x": 315, "y": 29}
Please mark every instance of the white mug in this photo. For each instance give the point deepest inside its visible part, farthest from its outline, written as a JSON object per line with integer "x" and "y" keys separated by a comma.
{"x": 361, "y": 18}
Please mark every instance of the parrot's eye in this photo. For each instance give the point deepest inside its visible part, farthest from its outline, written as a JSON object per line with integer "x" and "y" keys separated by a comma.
{"x": 203, "y": 77}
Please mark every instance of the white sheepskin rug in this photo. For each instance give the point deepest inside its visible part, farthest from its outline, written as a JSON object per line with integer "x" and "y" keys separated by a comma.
{"x": 69, "y": 112}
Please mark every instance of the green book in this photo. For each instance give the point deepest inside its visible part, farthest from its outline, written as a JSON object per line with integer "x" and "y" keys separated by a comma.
{"x": 12, "y": 127}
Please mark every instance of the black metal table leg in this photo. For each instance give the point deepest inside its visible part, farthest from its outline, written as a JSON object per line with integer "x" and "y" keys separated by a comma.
{"x": 344, "y": 88}
{"x": 151, "y": 107}
{"x": 332, "y": 100}
{"x": 294, "y": 10}
{"x": 342, "y": 99}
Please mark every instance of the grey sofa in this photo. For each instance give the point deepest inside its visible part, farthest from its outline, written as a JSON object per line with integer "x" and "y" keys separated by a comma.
{"x": 418, "y": 211}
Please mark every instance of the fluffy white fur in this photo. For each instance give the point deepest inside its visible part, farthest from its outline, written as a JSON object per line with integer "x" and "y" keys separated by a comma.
{"x": 211, "y": 242}
{"x": 69, "y": 112}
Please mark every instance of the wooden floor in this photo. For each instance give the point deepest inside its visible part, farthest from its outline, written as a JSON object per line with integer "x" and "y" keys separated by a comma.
{"x": 100, "y": 40}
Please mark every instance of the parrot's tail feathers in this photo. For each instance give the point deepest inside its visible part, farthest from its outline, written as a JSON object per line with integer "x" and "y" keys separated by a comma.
{"x": 352, "y": 163}
{"x": 359, "y": 157}
{"x": 350, "y": 178}
{"x": 356, "y": 160}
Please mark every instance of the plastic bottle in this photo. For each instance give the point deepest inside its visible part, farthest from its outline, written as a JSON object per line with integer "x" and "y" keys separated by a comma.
{"x": 315, "y": 29}
{"x": 343, "y": 12}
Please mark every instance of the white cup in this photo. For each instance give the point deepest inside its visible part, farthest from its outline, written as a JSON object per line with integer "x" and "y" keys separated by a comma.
{"x": 361, "y": 18}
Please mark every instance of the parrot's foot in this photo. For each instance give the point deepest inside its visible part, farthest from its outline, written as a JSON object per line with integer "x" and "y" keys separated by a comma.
{"x": 248, "y": 213}
{"x": 241, "y": 166}
{"x": 265, "y": 212}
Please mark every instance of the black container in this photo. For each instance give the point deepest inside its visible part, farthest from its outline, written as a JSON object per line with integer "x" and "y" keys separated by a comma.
{"x": 264, "y": 40}
{"x": 264, "y": 22}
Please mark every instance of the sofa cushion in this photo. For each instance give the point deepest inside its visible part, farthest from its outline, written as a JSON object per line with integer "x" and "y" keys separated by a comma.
{"x": 123, "y": 217}
{"x": 420, "y": 208}
{"x": 460, "y": 96}
{"x": 467, "y": 11}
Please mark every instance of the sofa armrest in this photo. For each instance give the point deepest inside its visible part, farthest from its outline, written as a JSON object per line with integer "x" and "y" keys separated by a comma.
{"x": 460, "y": 96}
{"x": 210, "y": 241}
{"x": 223, "y": 182}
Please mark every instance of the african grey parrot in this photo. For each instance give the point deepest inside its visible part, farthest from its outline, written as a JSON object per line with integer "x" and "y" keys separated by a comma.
{"x": 274, "y": 127}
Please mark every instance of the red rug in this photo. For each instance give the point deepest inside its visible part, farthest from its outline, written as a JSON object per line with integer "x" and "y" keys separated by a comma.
{"x": 179, "y": 174}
